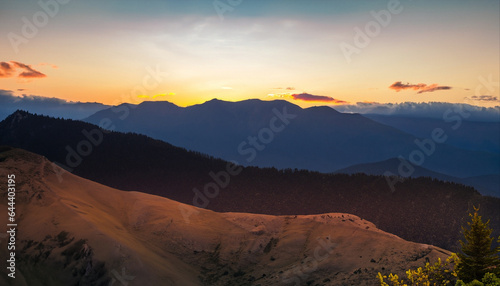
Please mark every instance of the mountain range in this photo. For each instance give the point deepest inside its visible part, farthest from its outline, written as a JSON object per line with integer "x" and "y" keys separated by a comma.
{"x": 464, "y": 134}
{"x": 423, "y": 210}
{"x": 283, "y": 135}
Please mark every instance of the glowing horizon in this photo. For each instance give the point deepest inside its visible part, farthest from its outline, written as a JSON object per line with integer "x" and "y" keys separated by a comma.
{"x": 187, "y": 53}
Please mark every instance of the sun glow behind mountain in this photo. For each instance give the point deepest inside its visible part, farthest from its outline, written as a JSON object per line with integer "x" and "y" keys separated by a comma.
{"x": 191, "y": 51}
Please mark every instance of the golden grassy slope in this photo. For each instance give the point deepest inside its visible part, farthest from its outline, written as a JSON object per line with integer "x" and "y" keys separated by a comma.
{"x": 139, "y": 239}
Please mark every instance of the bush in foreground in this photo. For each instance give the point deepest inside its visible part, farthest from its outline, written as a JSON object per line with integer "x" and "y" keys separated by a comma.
{"x": 439, "y": 273}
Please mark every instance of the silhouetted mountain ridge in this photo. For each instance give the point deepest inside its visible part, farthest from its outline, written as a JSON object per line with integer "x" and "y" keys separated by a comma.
{"x": 316, "y": 138}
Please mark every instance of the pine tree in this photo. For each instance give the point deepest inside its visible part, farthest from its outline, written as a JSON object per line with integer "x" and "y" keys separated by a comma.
{"x": 477, "y": 256}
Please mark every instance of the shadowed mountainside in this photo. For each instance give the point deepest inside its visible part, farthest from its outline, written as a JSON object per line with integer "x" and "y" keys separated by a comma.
{"x": 465, "y": 134}
{"x": 422, "y": 209}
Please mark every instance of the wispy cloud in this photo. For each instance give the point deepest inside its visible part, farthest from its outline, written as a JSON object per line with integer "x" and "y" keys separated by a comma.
{"x": 306, "y": 97}
{"x": 318, "y": 98}
{"x": 46, "y": 105}
{"x": 8, "y": 97}
{"x": 483, "y": 98}
{"x": 421, "y": 87}
{"x": 20, "y": 70}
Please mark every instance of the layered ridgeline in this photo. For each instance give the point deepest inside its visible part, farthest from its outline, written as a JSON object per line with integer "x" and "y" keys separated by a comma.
{"x": 468, "y": 131}
{"x": 421, "y": 210}
{"x": 488, "y": 185}
{"x": 78, "y": 232}
{"x": 283, "y": 135}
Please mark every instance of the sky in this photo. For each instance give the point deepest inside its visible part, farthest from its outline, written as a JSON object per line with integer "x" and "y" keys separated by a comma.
{"x": 308, "y": 52}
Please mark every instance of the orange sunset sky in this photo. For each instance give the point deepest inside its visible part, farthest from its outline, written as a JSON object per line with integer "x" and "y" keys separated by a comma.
{"x": 188, "y": 52}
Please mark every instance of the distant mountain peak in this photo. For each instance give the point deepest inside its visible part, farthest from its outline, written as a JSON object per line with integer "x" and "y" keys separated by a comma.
{"x": 163, "y": 103}
{"x": 324, "y": 109}
{"x": 215, "y": 100}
